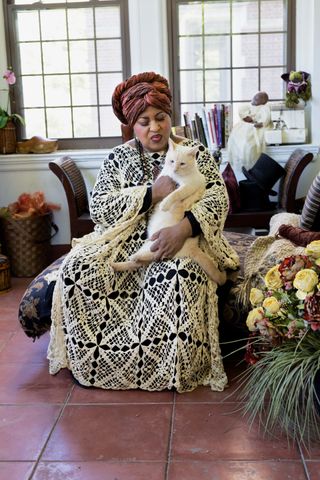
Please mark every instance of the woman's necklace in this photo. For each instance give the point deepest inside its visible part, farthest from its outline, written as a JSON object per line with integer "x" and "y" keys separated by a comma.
{"x": 146, "y": 165}
{"x": 146, "y": 171}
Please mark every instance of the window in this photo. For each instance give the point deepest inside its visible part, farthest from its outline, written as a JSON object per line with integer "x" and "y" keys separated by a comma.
{"x": 224, "y": 51}
{"x": 69, "y": 55}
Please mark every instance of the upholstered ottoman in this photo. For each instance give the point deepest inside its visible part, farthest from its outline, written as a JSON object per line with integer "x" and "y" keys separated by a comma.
{"x": 35, "y": 306}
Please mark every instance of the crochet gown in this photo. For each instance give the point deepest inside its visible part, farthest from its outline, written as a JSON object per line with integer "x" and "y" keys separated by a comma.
{"x": 155, "y": 328}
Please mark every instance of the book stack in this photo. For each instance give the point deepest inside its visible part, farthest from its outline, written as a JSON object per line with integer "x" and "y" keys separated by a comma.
{"x": 212, "y": 126}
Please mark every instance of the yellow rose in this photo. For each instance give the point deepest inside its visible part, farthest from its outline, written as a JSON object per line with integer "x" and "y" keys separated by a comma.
{"x": 313, "y": 249}
{"x": 254, "y": 316}
{"x": 273, "y": 279}
{"x": 271, "y": 304}
{"x": 256, "y": 296}
{"x": 305, "y": 280}
{"x": 301, "y": 294}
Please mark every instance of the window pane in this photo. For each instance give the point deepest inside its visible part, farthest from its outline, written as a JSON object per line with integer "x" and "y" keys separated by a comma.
{"x": 80, "y": 23}
{"x": 218, "y": 86}
{"x": 57, "y": 90}
{"x": 191, "y": 52}
{"x": 272, "y": 15}
{"x": 86, "y": 122}
{"x": 191, "y": 86}
{"x": 59, "y": 122}
{"x": 84, "y": 89}
{"x": 238, "y": 46}
{"x": 109, "y": 55}
{"x": 190, "y": 19}
{"x": 55, "y": 57}
{"x": 32, "y": 88}
{"x": 28, "y": 26}
{"x": 107, "y": 84}
{"x": 107, "y": 22}
{"x": 217, "y": 17}
{"x": 217, "y": 52}
{"x": 245, "y": 50}
{"x": 273, "y": 49}
{"x": 35, "y": 122}
{"x": 30, "y": 58}
{"x": 82, "y": 56}
{"x": 272, "y": 83}
{"x": 245, "y": 16}
{"x": 110, "y": 125}
{"x": 70, "y": 58}
{"x": 245, "y": 83}
{"x": 53, "y": 24}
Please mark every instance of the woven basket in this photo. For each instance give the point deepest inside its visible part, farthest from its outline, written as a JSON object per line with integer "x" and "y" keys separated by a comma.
{"x": 8, "y": 139}
{"x": 27, "y": 243}
{"x": 5, "y": 281}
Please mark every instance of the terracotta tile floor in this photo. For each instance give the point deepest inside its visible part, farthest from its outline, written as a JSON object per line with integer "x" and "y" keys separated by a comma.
{"x": 52, "y": 429}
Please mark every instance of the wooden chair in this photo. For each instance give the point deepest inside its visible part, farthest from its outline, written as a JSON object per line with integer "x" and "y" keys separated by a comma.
{"x": 74, "y": 186}
{"x": 287, "y": 201}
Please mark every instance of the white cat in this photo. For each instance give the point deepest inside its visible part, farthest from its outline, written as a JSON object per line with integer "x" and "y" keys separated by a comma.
{"x": 180, "y": 165}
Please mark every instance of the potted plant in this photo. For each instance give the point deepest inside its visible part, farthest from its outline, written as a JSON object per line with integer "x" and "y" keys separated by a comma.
{"x": 8, "y": 120}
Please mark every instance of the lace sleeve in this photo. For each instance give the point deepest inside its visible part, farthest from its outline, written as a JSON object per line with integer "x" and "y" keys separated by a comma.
{"x": 212, "y": 209}
{"x": 112, "y": 201}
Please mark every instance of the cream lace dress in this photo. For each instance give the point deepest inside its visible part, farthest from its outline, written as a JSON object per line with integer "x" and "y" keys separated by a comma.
{"x": 156, "y": 328}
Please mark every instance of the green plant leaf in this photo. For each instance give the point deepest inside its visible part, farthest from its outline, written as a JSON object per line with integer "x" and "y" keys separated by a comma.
{"x": 18, "y": 117}
{"x": 3, "y": 121}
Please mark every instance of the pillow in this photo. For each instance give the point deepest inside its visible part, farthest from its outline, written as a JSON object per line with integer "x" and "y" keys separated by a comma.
{"x": 310, "y": 215}
{"x": 298, "y": 236}
{"x": 232, "y": 188}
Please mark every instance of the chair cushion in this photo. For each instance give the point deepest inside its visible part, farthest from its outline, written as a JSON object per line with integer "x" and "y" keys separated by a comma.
{"x": 310, "y": 215}
{"x": 35, "y": 307}
{"x": 232, "y": 188}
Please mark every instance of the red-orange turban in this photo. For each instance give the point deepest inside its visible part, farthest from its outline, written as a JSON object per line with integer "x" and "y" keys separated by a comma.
{"x": 131, "y": 97}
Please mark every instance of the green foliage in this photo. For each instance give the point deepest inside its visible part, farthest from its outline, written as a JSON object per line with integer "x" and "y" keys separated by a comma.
{"x": 278, "y": 391}
{"x": 5, "y": 118}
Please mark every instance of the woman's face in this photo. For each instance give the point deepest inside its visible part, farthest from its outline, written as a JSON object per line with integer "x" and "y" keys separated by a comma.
{"x": 153, "y": 129}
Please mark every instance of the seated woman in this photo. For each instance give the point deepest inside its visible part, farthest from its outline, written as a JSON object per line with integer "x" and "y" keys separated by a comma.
{"x": 157, "y": 327}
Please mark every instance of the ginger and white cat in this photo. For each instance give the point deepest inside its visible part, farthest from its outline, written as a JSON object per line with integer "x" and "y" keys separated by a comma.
{"x": 180, "y": 165}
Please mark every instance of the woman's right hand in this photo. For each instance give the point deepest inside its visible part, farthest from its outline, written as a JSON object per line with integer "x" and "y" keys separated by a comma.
{"x": 161, "y": 188}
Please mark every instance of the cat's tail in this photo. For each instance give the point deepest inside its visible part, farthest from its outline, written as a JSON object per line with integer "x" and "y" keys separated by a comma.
{"x": 139, "y": 259}
{"x": 128, "y": 266}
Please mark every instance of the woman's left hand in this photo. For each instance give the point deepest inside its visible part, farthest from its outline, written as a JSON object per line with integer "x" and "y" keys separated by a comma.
{"x": 168, "y": 241}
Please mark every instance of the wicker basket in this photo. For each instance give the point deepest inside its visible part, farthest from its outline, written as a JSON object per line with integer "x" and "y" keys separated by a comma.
{"x": 8, "y": 139}
{"x": 27, "y": 243}
{"x": 5, "y": 281}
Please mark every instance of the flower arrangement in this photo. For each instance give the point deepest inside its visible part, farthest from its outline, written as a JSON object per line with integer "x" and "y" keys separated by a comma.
{"x": 28, "y": 205}
{"x": 5, "y": 117}
{"x": 281, "y": 384}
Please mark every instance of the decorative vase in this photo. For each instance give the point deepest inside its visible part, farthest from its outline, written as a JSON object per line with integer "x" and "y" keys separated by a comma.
{"x": 8, "y": 138}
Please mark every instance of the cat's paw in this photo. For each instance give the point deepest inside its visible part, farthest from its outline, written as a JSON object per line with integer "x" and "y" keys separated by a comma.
{"x": 165, "y": 205}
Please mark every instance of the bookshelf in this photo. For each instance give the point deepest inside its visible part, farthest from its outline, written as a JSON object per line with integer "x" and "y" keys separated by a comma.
{"x": 211, "y": 126}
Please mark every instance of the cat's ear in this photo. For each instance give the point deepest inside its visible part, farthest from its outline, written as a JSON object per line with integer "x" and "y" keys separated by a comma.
{"x": 171, "y": 145}
{"x": 194, "y": 150}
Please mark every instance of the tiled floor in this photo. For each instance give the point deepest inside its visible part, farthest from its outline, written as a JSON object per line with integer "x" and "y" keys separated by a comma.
{"x": 51, "y": 429}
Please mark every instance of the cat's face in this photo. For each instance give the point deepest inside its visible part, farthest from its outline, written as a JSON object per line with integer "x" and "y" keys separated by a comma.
{"x": 181, "y": 159}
